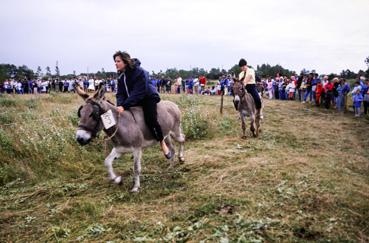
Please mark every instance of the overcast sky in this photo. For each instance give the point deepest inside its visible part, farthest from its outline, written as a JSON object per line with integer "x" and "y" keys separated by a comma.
{"x": 325, "y": 35}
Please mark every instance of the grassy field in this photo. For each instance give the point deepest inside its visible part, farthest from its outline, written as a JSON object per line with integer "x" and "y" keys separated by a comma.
{"x": 306, "y": 178}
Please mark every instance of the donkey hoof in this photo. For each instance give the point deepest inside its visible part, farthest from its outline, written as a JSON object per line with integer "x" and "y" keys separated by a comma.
{"x": 181, "y": 159}
{"x": 135, "y": 189}
{"x": 117, "y": 180}
{"x": 243, "y": 137}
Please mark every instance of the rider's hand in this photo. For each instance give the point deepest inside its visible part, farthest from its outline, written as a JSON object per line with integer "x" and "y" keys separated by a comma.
{"x": 120, "y": 109}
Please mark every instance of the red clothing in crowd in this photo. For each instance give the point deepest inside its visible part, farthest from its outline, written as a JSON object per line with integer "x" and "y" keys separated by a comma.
{"x": 202, "y": 80}
{"x": 318, "y": 91}
{"x": 328, "y": 87}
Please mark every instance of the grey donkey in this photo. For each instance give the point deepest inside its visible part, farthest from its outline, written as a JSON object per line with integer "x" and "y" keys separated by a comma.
{"x": 245, "y": 105}
{"x": 130, "y": 134}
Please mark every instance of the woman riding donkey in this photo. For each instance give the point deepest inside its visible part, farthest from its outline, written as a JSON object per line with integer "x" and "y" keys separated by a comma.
{"x": 247, "y": 76}
{"x": 135, "y": 89}
{"x": 134, "y": 130}
{"x": 247, "y": 100}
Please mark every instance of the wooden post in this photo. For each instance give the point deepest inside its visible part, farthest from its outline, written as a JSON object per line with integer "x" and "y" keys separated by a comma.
{"x": 221, "y": 102}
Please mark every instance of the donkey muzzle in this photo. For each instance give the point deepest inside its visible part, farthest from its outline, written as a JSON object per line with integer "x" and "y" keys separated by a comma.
{"x": 236, "y": 102}
{"x": 83, "y": 137}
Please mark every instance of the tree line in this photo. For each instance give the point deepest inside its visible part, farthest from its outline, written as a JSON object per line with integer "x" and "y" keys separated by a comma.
{"x": 10, "y": 71}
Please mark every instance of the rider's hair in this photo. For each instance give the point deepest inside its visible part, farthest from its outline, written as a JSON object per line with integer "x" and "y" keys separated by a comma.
{"x": 242, "y": 62}
{"x": 126, "y": 58}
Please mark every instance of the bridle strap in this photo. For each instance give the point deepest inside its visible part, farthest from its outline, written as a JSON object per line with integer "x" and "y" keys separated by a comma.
{"x": 94, "y": 130}
{"x": 115, "y": 132}
{"x": 98, "y": 120}
{"x": 85, "y": 128}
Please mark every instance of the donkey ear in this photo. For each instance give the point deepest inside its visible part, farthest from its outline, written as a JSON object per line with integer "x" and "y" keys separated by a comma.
{"x": 80, "y": 91}
{"x": 100, "y": 92}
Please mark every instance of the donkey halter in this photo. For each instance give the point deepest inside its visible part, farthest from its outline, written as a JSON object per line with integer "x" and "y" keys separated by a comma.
{"x": 96, "y": 113}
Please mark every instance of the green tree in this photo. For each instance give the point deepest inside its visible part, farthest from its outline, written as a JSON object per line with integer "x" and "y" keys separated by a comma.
{"x": 332, "y": 76}
{"x": 214, "y": 73}
{"x": 235, "y": 70}
{"x": 23, "y": 72}
{"x": 48, "y": 71}
{"x": 57, "y": 71}
{"x": 266, "y": 70}
{"x": 348, "y": 74}
{"x": 7, "y": 71}
{"x": 367, "y": 71}
{"x": 171, "y": 73}
{"x": 39, "y": 72}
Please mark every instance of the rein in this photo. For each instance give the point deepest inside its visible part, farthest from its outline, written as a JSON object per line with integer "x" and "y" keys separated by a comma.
{"x": 107, "y": 138}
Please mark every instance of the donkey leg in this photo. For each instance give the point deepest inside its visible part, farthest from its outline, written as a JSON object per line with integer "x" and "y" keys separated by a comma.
{"x": 257, "y": 122}
{"x": 169, "y": 142}
{"x": 180, "y": 138}
{"x": 253, "y": 125}
{"x": 137, "y": 153}
{"x": 243, "y": 124}
{"x": 261, "y": 113}
{"x": 109, "y": 164}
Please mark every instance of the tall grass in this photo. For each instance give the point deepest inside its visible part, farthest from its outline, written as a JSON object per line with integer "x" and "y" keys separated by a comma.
{"x": 36, "y": 144}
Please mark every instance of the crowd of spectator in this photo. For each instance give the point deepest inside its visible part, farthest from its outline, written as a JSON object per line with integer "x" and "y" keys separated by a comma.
{"x": 318, "y": 90}
{"x": 197, "y": 85}
{"x": 45, "y": 86}
{"x": 311, "y": 88}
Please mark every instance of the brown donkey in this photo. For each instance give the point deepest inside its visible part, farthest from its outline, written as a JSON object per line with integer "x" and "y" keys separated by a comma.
{"x": 245, "y": 105}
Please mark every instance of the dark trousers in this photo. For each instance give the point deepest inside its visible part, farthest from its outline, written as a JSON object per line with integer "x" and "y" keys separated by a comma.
{"x": 328, "y": 99}
{"x": 251, "y": 88}
{"x": 151, "y": 118}
{"x": 366, "y": 105}
{"x": 276, "y": 92}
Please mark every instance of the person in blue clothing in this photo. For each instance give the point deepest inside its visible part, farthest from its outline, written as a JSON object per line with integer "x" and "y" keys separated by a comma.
{"x": 339, "y": 95}
{"x": 223, "y": 84}
{"x": 345, "y": 91}
{"x": 135, "y": 89}
{"x": 189, "y": 84}
{"x": 85, "y": 84}
{"x": 308, "y": 86}
{"x": 357, "y": 98}
{"x": 365, "y": 92}
{"x": 314, "y": 82}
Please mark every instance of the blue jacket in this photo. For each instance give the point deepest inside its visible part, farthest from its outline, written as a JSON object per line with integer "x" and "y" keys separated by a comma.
{"x": 357, "y": 99}
{"x": 346, "y": 88}
{"x": 134, "y": 86}
{"x": 364, "y": 88}
{"x": 315, "y": 81}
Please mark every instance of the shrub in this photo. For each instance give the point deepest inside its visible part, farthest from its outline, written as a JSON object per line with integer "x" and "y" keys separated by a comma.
{"x": 32, "y": 103}
{"x": 4, "y": 102}
{"x": 6, "y": 118}
{"x": 7, "y": 174}
{"x": 194, "y": 125}
{"x": 5, "y": 143}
